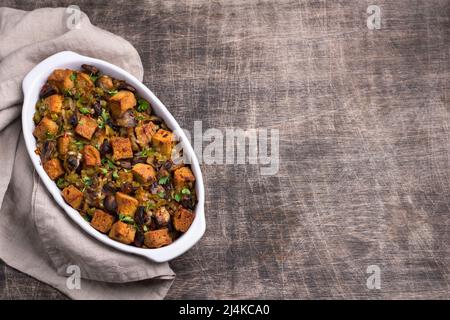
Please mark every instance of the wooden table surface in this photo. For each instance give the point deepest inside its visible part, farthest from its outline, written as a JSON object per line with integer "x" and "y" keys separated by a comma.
{"x": 364, "y": 121}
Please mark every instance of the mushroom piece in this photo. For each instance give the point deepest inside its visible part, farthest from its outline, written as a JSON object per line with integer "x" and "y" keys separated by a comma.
{"x": 127, "y": 120}
{"x": 47, "y": 150}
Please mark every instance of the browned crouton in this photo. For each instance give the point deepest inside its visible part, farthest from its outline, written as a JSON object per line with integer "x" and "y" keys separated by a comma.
{"x": 144, "y": 173}
{"x": 91, "y": 156}
{"x": 144, "y": 134}
{"x": 73, "y": 196}
{"x": 121, "y": 102}
{"x": 182, "y": 219}
{"x": 105, "y": 82}
{"x": 86, "y": 127}
{"x": 183, "y": 177}
{"x": 62, "y": 79}
{"x": 125, "y": 177}
{"x": 162, "y": 216}
{"x": 47, "y": 128}
{"x": 121, "y": 148}
{"x": 63, "y": 144}
{"x": 122, "y": 232}
{"x": 102, "y": 221}
{"x": 157, "y": 238}
{"x": 53, "y": 168}
{"x": 163, "y": 141}
{"x": 54, "y": 103}
{"x": 126, "y": 204}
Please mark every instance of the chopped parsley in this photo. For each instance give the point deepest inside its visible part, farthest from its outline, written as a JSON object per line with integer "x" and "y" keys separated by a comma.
{"x": 87, "y": 181}
{"x": 126, "y": 219}
{"x": 161, "y": 194}
{"x": 143, "y": 105}
{"x": 163, "y": 180}
{"x": 186, "y": 191}
{"x": 112, "y": 92}
{"x": 84, "y": 110}
{"x": 111, "y": 164}
{"x": 61, "y": 183}
{"x": 115, "y": 175}
{"x": 177, "y": 197}
{"x": 73, "y": 76}
{"x": 147, "y": 152}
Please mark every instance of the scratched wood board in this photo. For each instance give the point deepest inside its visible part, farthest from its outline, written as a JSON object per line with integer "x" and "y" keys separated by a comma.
{"x": 363, "y": 117}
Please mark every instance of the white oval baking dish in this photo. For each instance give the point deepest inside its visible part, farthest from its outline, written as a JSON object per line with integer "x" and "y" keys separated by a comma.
{"x": 32, "y": 84}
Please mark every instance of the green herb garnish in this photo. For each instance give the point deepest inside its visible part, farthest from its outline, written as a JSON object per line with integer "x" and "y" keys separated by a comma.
{"x": 163, "y": 180}
{"x": 112, "y": 92}
{"x": 104, "y": 170}
{"x": 177, "y": 197}
{"x": 61, "y": 183}
{"x": 87, "y": 181}
{"x": 147, "y": 152}
{"x": 126, "y": 219}
{"x": 79, "y": 144}
{"x": 111, "y": 164}
{"x": 84, "y": 110}
{"x": 186, "y": 191}
{"x": 115, "y": 175}
{"x": 73, "y": 76}
{"x": 161, "y": 194}
{"x": 143, "y": 105}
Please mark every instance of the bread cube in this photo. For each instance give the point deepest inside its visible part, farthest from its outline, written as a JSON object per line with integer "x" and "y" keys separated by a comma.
{"x": 121, "y": 148}
{"x": 73, "y": 196}
{"x": 163, "y": 142}
{"x": 91, "y": 156}
{"x": 54, "y": 103}
{"x": 126, "y": 204}
{"x": 182, "y": 219}
{"x": 144, "y": 173}
{"x": 102, "y": 221}
{"x": 125, "y": 177}
{"x": 183, "y": 177}
{"x": 63, "y": 144}
{"x": 86, "y": 127}
{"x": 54, "y": 168}
{"x": 122, "y": 232}
{"x": 144, "y": 134}
{"x": 121, "y": 102}
{"x": 47, "y": 128}
{"x": 157, "y": 238}
{"x": 62, "y": 79}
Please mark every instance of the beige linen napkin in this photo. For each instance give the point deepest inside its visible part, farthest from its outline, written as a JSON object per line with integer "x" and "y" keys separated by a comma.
{"x": 36, "y": 236}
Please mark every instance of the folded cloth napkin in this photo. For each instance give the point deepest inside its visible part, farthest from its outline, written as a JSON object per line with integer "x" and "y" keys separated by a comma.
{"x": 36, "y": 236}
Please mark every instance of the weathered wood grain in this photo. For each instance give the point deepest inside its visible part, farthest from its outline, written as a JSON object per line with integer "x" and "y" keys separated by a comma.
{"x": 364, "y": 142}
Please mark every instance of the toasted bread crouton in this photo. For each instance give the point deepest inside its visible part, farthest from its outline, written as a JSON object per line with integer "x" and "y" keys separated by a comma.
{"x": 47, "y": 128}
{"x": 91, "y": 156}
{"x": 86, "y": 127}
{"x": 163, "y": 141}
{"x": 157, "y": 238}
{"x": 63, "y": 79}
{"x": 125, "y": 177}
{"x": 73, "y": 196}
{"x": 122, "y": 232}
{"x": 126, "y": 204}
{"x": 63, "y": 144}
{"x": 83, "y": 82}
{"x": 54, "y": 103}
{"x": 144, "y": 134}
{"x": 121, "y": 148}
{"x": 183, "y": 177}
{"x": 182, "y": 219}
{"x": 105, "y": 82}
{"x": 102, "y": 221}
{"x": 144, "y": 173}
{"x": 162, "y": 216}
{"x": 54, "y": 168}
{"x": 121, "y": 102}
